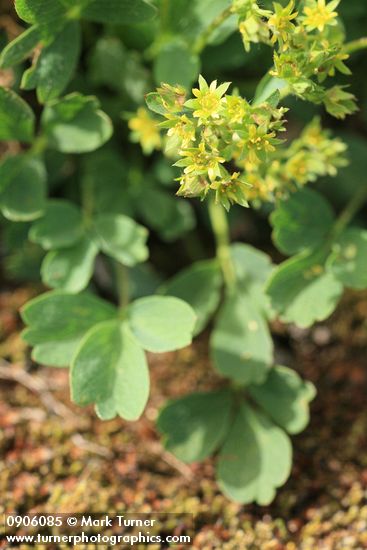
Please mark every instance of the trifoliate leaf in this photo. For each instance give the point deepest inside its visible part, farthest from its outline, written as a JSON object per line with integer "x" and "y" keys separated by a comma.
{"x": 70, "y": 268}
{"x": 175, "y": 64}
{"x": 255, "y": 459}
{"x": 24, "y": 195}
{"x": 17, "y": 119}
{"x": 60, "y": 227}
{"x": 285, "y": 397}
{"x": 20, "y": 48}
{"x": 75, "y": 124}
{"x": 348, "y": 261}
{"x": 58, "y": 320}
{"x": 55, "y": 65}
{"x": 302, "y": 292}
{"x": 241, "y": 345}
{"x": 110, "y": 369}
{"x": 199, "y": 286}
{"x": 121, "y": 238}
{"x": 194, "y": 426}
{"x": 301, "y": 221}
{"x": 161, "y": 323}
{"x": 118, "y": 12}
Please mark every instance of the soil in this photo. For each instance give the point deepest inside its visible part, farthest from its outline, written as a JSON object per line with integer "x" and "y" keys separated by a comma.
{"x": 59, "y": 458}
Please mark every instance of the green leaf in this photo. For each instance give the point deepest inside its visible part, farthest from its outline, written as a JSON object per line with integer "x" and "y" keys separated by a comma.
{"x": 241, "y": 345}
{"x": 121, "y": 238}
{"x": 110, "y": 369}
{"x": 105, "y": 175}
{"x": 194, "y": 426}
{"x": 175, "y": 64}
{"x": 302, "y": 292}
{"x": 161, "y": 323}
{"x": 60, "y": 227}
{"x": 108, "y": 53}
{"x": 70, "y": 268}
{"x": 285, "y": 397}
{"x": 20, "y": 48}
{"x": 199, "y": 286}
{"x": 24, "y": 196}
{"x": 74, "y": 124}
{"x": 39, "y": 11}
{"x": 17, "y": 119}
{"x": 170, "y": 216}
{"x": 302, "y": 221}
{"x": 58, "y": 320}
{"x": 255, "y": 459}
{"x": 266, "y": 88}
{"x": 21, "y": 259}
{"x": 55, "y": 65}
{"x": 118, "y": 12}
{"x": 253, "y": 268}
{"x": 155, "y": 103}
{"x": 348, "y": 262}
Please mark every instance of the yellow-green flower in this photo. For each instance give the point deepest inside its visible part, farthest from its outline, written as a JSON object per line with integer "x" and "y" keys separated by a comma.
{"x": 193, "y": 186}
{"x": 145, "y": 131}
{"x": 253, "y": 29}
{"x": 236, "y": 109}
{"x": 280, "y": 23}
{"x": 200, "y": 161}
{"x": 261, "y": 188}
{"x": 208, "y": 103}
{"x": 260, "y": 140}
{"x": 319, "y": 14}
{"x": 230, "y": 190}
{"x": 183, "y": 131}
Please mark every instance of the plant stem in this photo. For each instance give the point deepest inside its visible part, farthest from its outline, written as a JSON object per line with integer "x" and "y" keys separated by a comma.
{"x": 39, "y": 145}
{"x": 285, "y": 92}
{"x": 220, "y": 227}
{"x": 122, "y": 284}
{"x": 351, "y": 209}
{"x": 203, "y": 39}
{"x": 87, "y": 201}
{"x": 355, "y": 45}
{"x": 164, "y": 14}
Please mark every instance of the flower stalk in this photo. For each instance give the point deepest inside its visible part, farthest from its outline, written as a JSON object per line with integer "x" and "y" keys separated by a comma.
{"x": 355, "y": 45}
{"x": 204, "y": 38}
{"x": 220, "y": 226}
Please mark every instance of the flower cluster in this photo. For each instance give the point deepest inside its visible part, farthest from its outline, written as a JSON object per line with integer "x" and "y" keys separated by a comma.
{"x": 217, "y": 138}
{"x": 230, "y": 148}
{"x": 312, "y": 155}
{"x": 308, "y": 47}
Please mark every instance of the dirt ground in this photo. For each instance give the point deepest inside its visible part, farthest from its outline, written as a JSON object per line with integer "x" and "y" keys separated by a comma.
{"x": 58, "y": 458}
